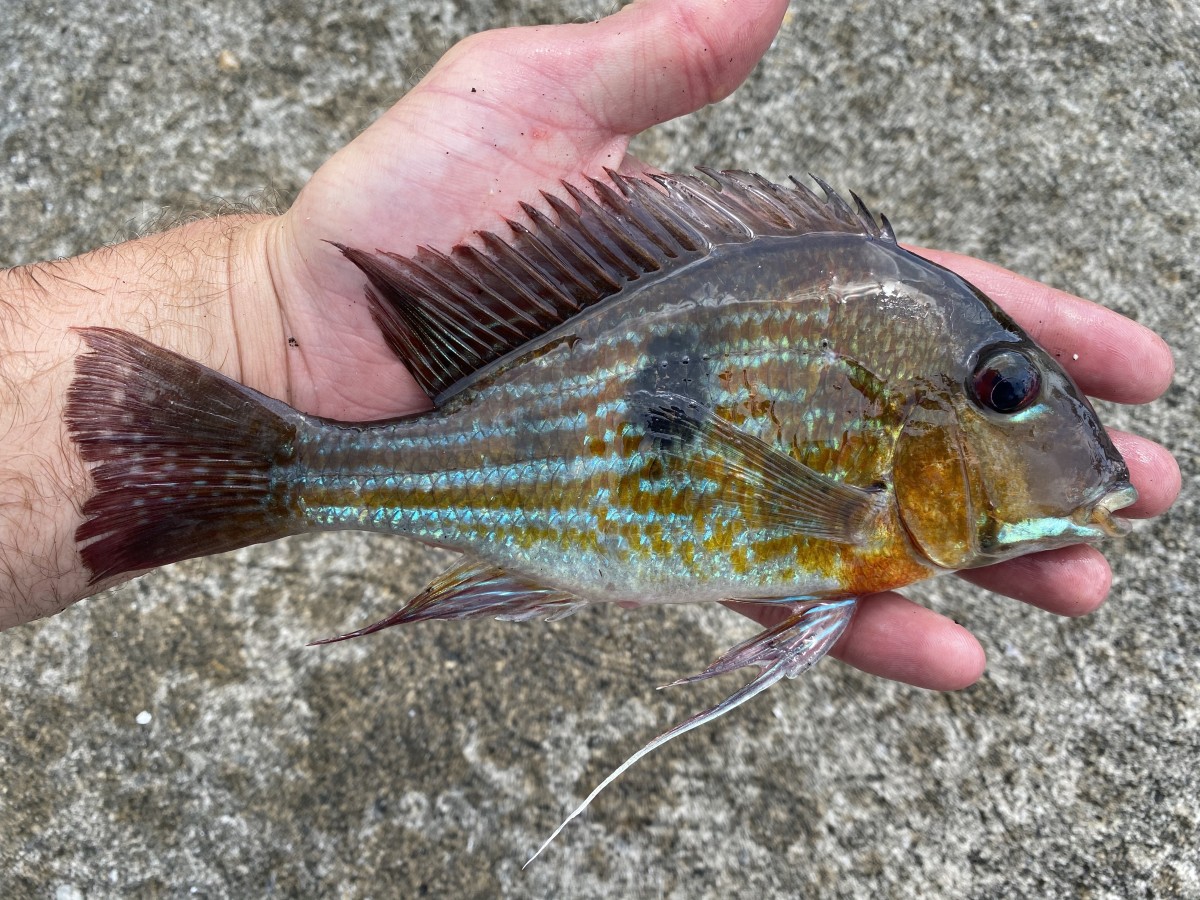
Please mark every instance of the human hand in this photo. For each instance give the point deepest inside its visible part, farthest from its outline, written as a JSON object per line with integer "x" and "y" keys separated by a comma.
{"x": 508, "y": 114}
{"x": 503, "y": 115}
{"x": 267, "y": 301}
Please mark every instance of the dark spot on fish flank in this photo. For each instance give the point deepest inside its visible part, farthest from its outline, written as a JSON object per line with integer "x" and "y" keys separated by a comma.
{"x": 665, "y": 424}
{"x": 672, "y": 367}
{"x": 292, "y": 342}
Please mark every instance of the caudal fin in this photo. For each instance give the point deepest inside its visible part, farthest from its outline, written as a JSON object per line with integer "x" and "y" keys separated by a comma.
{"x": 188, "y": 462}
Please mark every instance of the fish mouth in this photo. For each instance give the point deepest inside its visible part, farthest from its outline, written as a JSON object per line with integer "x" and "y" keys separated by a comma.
{"x": 1100, "y": 514}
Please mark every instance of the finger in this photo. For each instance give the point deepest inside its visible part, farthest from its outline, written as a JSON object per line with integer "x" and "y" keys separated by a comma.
{"x": 892, "y": 637}
{"x": 1070, "y": 581}
{"x": 508, "y": 113}
{"x": 647, "y": 63}
{"x": 1110, "y": 356}
{"x": 1153, "y": 471}
{"x": 673, "y": 57}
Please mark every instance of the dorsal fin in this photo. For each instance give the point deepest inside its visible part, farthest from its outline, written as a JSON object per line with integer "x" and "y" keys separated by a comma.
{"x": 448, "y": 315}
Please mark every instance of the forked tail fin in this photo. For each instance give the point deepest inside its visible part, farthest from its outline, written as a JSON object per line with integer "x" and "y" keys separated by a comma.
{"x": 188, "y": 462}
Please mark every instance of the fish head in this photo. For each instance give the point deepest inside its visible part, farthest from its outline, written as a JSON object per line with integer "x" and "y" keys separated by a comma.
{"x": 1002, "y": 454}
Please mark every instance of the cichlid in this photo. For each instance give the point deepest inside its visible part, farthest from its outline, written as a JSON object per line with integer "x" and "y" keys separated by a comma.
{"x": 680, "y": 390}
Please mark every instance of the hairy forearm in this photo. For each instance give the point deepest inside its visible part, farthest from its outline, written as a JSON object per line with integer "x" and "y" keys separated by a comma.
{"x": 196, "y": 289}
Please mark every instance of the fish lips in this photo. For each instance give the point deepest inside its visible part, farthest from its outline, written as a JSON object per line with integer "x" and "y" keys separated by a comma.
{"x": 1099, "y": 514}
{"x": 1092, "y": 521}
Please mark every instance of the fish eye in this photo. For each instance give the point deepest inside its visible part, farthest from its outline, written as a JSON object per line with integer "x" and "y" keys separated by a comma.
{"x": 1006, "y": 381}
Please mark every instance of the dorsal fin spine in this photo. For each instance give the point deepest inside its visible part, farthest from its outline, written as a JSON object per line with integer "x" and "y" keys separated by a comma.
{"x": 864, "y": 214}
{"x": 642, "y": 256}
{"x": 691, "y": 188}
{"x": 803, "y": 191}
{"x": 399, "y": 334}
{"x": 834, "y": 199}
{"x": 460, "y": 265}
{"x": 730, "y": 190}
{"x": 685, "y": 235}
{"x": 439, "y": 292}
{"x": 768, "y": 195}
{"x": 886, "y": 228}
{"x": 642, "y": 217}
{"x": 540, "y": 242}
{"x": 497, "y": 268}
{"x": 517, "y": 268}
{"x": 556, "y": 244}
{"x": 591, "y": 216}
{"x": 569, "y": 218}
{"x": 392, "y": 311}
{"x": 470, "y": 262}
{"x": 559, "y": 299}
{"x": 434, "y": 304}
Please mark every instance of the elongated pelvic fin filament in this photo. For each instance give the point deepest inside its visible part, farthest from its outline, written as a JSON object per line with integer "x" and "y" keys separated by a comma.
{"x": 789, "y": 649}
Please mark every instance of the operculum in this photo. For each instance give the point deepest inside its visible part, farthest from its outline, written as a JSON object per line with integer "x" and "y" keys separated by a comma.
{"x": 933, "y": 488}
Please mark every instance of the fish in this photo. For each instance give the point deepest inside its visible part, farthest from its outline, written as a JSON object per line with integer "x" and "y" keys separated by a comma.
{"x": 667, "y": 389}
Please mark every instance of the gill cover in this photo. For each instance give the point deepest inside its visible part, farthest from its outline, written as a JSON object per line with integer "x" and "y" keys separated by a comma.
{"x": 933, "y": 486}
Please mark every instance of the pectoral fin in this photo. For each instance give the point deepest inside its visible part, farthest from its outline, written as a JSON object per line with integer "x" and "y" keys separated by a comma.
{"x": 771, "y": 489}
{"x": 788, "y": 649}
{"x": 473, "y": 589}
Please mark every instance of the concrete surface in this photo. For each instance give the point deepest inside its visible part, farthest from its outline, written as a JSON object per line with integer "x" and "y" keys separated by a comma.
{"x": 1056, "y": 137}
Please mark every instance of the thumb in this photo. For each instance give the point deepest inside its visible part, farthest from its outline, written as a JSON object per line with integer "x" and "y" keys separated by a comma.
{"x": 675, "y": 57}
{"x": 652, "y": 61}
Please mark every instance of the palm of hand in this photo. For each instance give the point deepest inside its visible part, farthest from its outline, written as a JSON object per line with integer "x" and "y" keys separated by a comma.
{"x": 503, "y": 116}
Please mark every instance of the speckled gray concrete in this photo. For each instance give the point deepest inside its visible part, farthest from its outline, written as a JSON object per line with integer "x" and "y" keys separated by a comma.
{"x": 1056, "y": 137}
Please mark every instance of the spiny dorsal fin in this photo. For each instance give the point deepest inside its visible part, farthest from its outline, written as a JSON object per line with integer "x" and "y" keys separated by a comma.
{"x": 448, "y": 315}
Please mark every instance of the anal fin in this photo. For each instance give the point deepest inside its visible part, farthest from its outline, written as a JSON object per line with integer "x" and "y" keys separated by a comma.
{"x": 474, "y": 589}
{"x": 786, "y": 650}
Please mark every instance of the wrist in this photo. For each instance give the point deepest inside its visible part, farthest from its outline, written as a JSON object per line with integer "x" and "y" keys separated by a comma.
{"x": 254, "y": 284}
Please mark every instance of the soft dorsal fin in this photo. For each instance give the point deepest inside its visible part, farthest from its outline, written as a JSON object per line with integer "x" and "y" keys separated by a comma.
{"x": 448, "y": 315}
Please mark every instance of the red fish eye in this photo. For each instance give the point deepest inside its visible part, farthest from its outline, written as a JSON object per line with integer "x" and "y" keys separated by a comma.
{"x": 1006, "y": 381}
